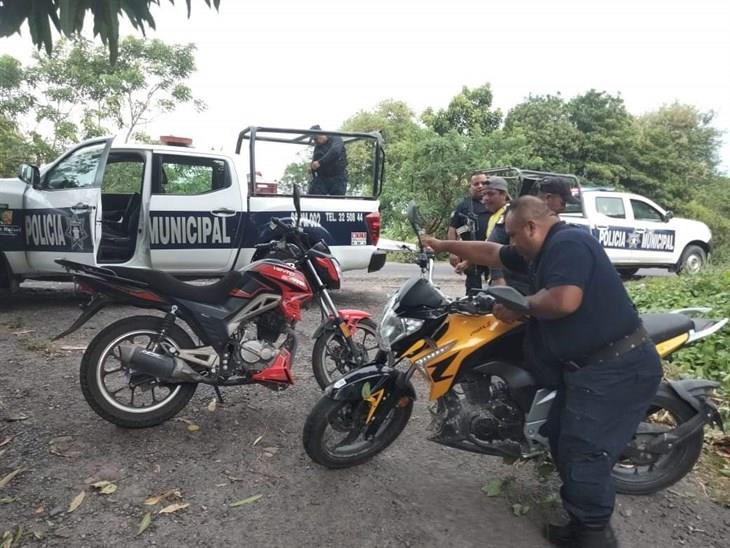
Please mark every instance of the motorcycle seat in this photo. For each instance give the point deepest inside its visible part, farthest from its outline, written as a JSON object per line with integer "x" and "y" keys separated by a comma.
{"x": 662, "y": 327}
{"x": 215, "y": 293}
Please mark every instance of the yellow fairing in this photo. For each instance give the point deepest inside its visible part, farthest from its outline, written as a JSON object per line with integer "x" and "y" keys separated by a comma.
{"x": 667, "y": 347}
{"x": 464, "y": 335}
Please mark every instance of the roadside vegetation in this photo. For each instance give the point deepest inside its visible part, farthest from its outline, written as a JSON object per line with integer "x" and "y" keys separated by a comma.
{"x": 708, "y": 359}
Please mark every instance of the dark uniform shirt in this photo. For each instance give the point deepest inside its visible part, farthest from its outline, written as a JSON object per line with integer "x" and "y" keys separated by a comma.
{"x": 470, "y": 207}
{"x": 570, "y": 256}
{"x": 517, "y": 279}
{"x": 332, "y": 158}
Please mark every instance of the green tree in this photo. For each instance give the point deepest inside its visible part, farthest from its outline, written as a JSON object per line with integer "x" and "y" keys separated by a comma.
{"x": 470, "y": 112}
{"x": 83, "y": 95}
{"x": 544, "y": 120}
{"x": 67, "y": 17}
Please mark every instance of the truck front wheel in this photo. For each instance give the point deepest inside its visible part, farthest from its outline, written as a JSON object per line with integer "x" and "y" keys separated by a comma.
{"x": 693, "y": 260}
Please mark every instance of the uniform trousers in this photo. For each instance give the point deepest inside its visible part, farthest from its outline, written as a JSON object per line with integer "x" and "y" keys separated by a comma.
{"x": 595, "y": 415}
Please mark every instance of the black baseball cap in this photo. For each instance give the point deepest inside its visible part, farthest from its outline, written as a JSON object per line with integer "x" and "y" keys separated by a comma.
{"x": 559, "y": 186}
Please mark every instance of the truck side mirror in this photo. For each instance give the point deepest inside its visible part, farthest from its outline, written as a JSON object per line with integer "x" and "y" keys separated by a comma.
{"x": 29, "y": 174}
{"x": 668, "y": 216}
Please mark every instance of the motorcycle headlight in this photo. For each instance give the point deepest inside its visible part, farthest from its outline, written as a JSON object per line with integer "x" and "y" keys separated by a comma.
{"x": 393, "y": 327}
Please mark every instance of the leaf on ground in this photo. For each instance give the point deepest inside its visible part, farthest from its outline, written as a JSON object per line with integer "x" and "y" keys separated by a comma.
{"x": 174, "y": 507}
{"x": 520, "y": 509}
{"x": 76, "y": 502}
{"x": 171, "y": 494}
{"x": 72, "y": 348}
{"x": 16, "y": 417}
{"x": 193, "y": 427}
{"x": 257, "y": 440}
{"x": 494, "y": 487}
{"x": 146, "y": 520}
{"x": 7, "y": 479}
{"x": 213, "y": 405}
{"x": 6, "y": 441}
{"x": 8, "y": 500}
{"x": 104, "y": 487}
{"x": 249, "y": 500}
{"x": 24, "y": 332}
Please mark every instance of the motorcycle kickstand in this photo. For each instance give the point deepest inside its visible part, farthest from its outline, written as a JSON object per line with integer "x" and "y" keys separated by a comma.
{"x": 218, "y": 394}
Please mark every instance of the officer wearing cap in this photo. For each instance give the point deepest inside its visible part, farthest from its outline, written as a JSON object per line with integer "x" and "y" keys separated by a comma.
{"x": 555, "y": 192}
{"x": 497, "y": 199}
{"x": 469, "y": 222}
{"x": 583, "y": 326}
{"x": 329, "y": 165}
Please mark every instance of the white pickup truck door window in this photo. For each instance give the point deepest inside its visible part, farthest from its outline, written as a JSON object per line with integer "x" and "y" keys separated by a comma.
{"x": 612, "y": 227}
{"x": 656, "y": 244}
{"x": 195, "y": 213}
{"x": 61, "y": 213}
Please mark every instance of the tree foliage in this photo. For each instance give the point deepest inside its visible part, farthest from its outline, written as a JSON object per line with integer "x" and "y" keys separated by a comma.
{"x": 68, "y": 16}
{"x": 469, "y": 113}
{"x": 76, "y": 93}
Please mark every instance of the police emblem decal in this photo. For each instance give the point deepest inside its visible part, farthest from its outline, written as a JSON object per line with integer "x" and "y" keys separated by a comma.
{"x": 76, "y": 232}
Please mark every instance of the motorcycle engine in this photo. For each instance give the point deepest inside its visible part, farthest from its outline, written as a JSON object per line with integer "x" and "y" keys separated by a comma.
{"x": 482, "y": 414}
{"x": 254, "y": 352}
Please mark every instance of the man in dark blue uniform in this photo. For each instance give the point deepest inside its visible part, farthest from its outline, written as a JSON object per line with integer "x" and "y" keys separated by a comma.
{"x": 329, "y": 165}
{"x": 469, "y": 222}
{"x": 583, "y": 325}
{"x": 556, "y": 193}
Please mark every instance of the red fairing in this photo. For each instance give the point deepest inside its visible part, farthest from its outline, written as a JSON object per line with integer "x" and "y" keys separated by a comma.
{"x": 295, "y": 289}
{"x": 331, "y": 278}
{"x": 352, "y": 316}
{"x": 279, "y": 371}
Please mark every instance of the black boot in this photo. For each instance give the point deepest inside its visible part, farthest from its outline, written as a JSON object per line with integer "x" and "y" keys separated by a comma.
{"x": 594, "y": 538}
{"x": 561, "y": 535}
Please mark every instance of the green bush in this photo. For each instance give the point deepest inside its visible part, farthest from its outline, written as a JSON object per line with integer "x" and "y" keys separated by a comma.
{"x": 718, "y": 223}
{"x": 709, "y": 358}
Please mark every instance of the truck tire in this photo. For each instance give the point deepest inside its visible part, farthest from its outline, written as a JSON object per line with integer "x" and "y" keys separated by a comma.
{"x": 693, "y": 260}
{"x": 627, "y": 273}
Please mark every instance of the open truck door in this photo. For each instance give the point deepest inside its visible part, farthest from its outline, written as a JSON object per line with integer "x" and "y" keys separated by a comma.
{"x": 62, "y": 207}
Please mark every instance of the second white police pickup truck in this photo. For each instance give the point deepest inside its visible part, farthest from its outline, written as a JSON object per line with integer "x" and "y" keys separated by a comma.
{"x": 185, "y": 211}
{"x": 635, "y": 231}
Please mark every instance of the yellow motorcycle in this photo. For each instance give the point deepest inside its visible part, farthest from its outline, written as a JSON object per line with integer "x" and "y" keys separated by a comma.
{"x": 486, "y": 401}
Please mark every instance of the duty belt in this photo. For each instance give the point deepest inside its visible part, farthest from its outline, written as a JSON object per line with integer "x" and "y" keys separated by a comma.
{"x": 612, "y": 350}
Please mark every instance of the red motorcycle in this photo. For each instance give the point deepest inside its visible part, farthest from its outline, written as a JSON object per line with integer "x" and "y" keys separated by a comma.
{"x": 141, "y": 371}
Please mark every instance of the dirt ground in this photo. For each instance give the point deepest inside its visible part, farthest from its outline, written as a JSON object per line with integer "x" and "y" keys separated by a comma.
{"x": 415, "y": 494}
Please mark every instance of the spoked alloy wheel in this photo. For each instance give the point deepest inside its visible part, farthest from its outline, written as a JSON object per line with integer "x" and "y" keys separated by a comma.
{"x": 651, "y": 473}
{"x": 334, "y": 432}
{"x": 122, "y": 396}
{"x": 332, "y": 357}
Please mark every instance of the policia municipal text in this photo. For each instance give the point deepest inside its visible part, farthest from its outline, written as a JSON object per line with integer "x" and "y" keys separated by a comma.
{"x": 584, "y": 337}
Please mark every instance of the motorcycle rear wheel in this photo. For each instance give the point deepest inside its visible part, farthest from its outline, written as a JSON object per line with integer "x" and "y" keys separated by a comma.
{"x": 345, "y": 417}
{"x": 631, "y": 478}
{"x": 103, "y": 377}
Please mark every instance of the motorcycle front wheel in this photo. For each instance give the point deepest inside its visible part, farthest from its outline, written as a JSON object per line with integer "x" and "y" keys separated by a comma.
{"x": 332, "y": 357}
{"x": 334, "y": 432}
{"x": 122, "y": 396}
{"x": 637, "y": 476}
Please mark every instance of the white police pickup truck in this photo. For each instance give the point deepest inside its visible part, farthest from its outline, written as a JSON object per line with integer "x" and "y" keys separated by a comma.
{"x": 637, "y": 233}
{"x": 185, "y": 211}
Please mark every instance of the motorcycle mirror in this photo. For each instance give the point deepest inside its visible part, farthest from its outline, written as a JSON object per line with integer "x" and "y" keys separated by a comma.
{"x": 509, "y": 297}
{"x": 414, "y": 218}
{"x": 297, "y": 202}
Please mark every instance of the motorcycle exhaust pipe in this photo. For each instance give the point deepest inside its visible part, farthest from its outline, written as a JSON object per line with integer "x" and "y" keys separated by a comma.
{"x": 166, "y": 368}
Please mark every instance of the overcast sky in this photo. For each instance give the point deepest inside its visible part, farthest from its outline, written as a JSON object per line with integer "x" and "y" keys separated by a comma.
{"x": 295, "y": 63}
